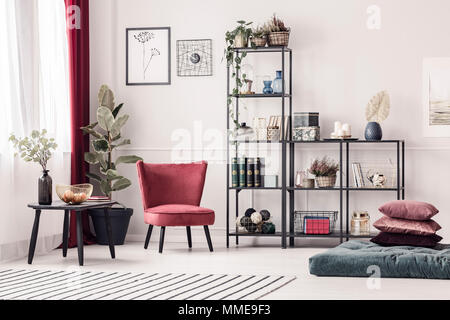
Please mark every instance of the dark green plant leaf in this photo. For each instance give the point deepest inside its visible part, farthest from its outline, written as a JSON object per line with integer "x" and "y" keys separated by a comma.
{"x": 91, "y": 157}
{"x": 94, "y": 177}
{"x": 127, "y": 159}
{"x": 121, "y": 184}
{"x": 100, "y": 145}
{"x": 105, "y": 188}
{"x": 92, "y": 132}
{"x": 116, "y": 110}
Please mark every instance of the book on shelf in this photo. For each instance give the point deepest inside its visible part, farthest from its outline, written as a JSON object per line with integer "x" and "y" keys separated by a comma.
{"x": 234, "y": 173}
{"x": 250, "y": 173}
{"x": 242, "y": 167}
{"x": 358, "y": 177}
{"x": 257, "y": 172}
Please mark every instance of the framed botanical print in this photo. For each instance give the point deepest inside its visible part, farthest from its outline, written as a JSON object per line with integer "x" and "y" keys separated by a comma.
{"x": 436, "y": 97}
{"x": 148, "y": 56}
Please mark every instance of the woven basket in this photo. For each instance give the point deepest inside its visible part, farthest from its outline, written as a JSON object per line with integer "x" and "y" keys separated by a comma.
{"x": 326, "y": 182}
{"x": 279, "y": 38}
{"x": 259, "y": 42}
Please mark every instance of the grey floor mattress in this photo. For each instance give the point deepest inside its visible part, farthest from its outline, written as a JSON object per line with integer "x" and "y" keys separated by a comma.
{"x": 361, "y": 258}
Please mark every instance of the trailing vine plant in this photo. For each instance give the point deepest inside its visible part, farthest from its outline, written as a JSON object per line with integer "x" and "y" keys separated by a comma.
{"x": 234, "y": 61}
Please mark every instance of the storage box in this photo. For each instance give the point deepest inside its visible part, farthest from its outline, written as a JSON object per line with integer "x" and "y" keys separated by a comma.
{"x": 305, "y": 119}
{"x": 306, "y": 134}
{"x": 270, "y": 181}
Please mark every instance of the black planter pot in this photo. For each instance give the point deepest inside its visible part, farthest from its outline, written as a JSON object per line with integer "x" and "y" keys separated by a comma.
{"x": 45, "y": 188}
{"x": 120, "y": 219}
{"x": 373, "y": 131}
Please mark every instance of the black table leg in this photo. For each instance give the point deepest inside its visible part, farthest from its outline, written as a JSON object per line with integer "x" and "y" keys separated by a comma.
{"x": 80, "y": 238}
{"x": 34, "y": 235}
{"x": 109, "y": 233}
{"x": 65, "y": 239}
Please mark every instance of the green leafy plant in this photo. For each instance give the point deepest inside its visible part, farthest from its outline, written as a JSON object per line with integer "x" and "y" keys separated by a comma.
{"x": 277, "y": 25}
{"x": 36, "y": 148}
{"x": 107, "y": 134}
{"x": 324, "y": 167}
{"x": 234, "y": 60}
{"x": 260, "y": 31}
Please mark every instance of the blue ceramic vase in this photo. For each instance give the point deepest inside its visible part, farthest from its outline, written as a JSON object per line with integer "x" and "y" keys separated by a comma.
{"x": 267, "y": 87}
{"x": 373, "y": 131}
{"x": 278, "y": 83}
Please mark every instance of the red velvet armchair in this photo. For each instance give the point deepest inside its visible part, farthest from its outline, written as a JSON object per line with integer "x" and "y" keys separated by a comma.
{"x": 171, "y": 195}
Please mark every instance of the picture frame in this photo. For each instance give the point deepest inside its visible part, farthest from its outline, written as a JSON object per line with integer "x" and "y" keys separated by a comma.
{"x": 148, "y": 55}
{"x": 436, "y": 97}
{"x": 194, "y": 58}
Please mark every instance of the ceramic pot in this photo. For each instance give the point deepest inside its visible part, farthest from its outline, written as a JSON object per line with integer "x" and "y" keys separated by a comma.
{"x": 240, "y": 41}
{"x": 373, "y": 131}
{"x": 120, "y": 219}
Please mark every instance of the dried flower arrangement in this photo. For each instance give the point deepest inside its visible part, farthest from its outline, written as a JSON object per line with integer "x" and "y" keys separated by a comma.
{"x": 324, "y": 167}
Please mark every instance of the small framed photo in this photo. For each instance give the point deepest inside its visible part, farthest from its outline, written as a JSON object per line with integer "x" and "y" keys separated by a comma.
{"x": 148, "y": 56}
{"x": 194, "y": 58}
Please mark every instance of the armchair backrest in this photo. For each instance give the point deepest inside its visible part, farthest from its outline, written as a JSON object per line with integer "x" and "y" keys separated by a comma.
{"x": 171, "y": 183}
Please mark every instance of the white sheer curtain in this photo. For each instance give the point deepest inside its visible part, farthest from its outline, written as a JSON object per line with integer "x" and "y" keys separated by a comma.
{"x": 34, "y": 89}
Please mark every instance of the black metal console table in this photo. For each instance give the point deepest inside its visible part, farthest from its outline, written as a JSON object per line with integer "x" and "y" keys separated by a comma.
{"x": 60, "y": 205}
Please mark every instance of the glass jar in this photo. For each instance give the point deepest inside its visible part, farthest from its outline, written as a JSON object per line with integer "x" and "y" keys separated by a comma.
{"x": 360, "y": 225}
{"x": 299, "y": 178}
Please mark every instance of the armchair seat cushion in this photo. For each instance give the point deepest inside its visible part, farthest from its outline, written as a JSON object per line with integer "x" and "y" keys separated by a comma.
{"x": 179, "y": 215}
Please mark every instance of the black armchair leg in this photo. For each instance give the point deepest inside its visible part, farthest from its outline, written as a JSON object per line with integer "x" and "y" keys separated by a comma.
{"x": 188, "y": 230}
{"x": 161, "y": 239}
{"x": 149, "y": 234}
{"x": 208, "y": 238}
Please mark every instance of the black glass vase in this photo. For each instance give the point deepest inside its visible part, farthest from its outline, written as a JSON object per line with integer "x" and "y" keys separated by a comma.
{"x": 45, "y": 188}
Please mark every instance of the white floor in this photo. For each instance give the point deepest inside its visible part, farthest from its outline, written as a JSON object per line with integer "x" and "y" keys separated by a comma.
{"x": 241, "y": 260}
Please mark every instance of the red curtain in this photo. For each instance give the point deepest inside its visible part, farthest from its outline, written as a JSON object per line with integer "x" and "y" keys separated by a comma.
{"x": 77, "y": 17}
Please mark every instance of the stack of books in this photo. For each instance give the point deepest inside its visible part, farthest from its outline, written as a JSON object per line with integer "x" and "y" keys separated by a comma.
{"x": 358, "y": 177}
{"x": 246, "y": 172}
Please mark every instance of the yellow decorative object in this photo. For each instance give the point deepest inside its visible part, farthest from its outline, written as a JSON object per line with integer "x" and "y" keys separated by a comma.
{"x": 75, "y": 194}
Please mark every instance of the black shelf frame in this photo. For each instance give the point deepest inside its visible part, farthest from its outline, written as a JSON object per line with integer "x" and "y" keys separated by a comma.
{"x": 287, "y": 185}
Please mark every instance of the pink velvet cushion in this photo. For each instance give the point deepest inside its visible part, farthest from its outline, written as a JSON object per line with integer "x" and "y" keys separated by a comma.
{"x": 179, "y": 215}
{"x": 408, "y": 209}
{"x": 178, "y": 208}
{"x": 395, "y": 225}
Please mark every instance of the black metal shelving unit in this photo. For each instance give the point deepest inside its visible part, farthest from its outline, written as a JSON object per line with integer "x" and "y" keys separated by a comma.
{"x": 287, "y": 186}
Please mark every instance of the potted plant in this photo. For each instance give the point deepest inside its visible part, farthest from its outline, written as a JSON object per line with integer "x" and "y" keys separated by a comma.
{"x": 278, "y": 32}
{"x": 259, "y": 36}
{"x": 377, "y": 110}
{"x": 324, "y": 171}
{"x": 107, "y": 134}
{"x": 37, "y": 148}
{"x": 240, "y": 35}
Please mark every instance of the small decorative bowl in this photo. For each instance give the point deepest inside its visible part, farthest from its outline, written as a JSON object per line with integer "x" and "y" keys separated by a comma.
{"x": 76, "y": 194}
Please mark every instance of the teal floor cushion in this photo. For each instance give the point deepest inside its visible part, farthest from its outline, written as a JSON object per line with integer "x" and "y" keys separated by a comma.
{"x": 358, "y": 258}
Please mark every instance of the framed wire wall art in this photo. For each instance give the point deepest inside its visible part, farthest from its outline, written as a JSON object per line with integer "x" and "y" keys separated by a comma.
{"x": 194, "y": 58}
{"x": 148, "y": 56}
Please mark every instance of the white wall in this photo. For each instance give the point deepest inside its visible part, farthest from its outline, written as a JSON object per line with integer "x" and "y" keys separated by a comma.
{"x": 338, "y": 66}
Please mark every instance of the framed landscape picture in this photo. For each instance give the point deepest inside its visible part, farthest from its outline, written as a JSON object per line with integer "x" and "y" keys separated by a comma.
{"x": 436, "y": 97}
{"x": 148, "y": 56}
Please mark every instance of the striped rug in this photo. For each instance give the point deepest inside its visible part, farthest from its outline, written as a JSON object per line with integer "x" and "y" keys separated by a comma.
{"x": 95, "y": 285}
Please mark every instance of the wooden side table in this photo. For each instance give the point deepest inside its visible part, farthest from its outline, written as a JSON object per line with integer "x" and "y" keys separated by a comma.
{"x": 60, "y": 205}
